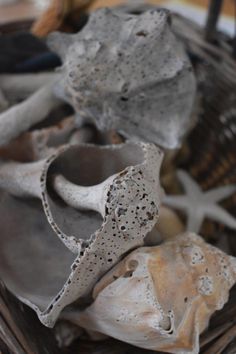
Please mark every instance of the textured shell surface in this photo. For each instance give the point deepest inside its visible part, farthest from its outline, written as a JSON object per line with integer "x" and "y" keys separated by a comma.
{"x": 161, "y": 298}
{"x": 93, "y": 243}
{"x": 129, "y": 73}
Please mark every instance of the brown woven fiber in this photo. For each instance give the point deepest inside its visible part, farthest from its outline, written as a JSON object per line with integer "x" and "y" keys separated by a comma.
{"x": 210, "y": 159}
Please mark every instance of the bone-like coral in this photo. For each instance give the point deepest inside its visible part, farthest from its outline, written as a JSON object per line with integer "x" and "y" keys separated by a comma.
{"x": 24, "y": 115}
{"x": 130, "y": 203}
{"x": 129, "y": 73}
{"x": 19, "y": 86}
{"x": 161, "y": 298}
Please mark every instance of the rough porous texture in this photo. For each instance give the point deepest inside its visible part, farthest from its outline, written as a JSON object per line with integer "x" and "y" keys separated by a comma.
{"x": 131, "y": 210}
{"x": 161, "y": 298}
{"x": 129, "y": 73}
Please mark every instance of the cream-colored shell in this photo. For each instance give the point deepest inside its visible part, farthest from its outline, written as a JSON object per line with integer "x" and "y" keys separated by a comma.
{"x": 161, "y": 298}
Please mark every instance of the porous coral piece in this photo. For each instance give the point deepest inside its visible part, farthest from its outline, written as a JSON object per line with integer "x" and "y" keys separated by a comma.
{"x": 131, "y": 205}
{"x": 161, "y": 298}
{"x": 129, "y": 73}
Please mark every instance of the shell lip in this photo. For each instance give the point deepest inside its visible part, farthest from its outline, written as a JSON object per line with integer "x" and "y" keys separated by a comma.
{"x": 76, "y": 248}
{"x": 151, "y": 154}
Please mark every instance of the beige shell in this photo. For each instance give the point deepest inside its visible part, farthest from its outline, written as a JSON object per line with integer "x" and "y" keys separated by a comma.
{"x": 161, "y": 298}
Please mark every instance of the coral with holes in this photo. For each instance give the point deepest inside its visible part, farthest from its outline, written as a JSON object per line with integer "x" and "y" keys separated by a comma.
{"x": 121, "y": 71}
{"x": 129, "y": 73}
{"x": 94, "y": 243}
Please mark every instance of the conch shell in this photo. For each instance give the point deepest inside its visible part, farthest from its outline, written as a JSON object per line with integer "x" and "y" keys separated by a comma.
{"x": 161, "y": 298}
{"x": 128, "y": 73}
{"x": 127, "y": 209}
{"x": 122, "y": 72}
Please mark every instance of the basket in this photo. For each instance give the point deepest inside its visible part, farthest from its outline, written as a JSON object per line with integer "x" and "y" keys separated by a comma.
{"x": 210, "y": 159}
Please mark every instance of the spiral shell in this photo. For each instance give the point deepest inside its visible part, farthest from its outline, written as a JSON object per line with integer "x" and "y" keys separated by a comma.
{"x": 94, "y": 242}
{"x": 161, "y": 298}
{"x": 129, "y": 73}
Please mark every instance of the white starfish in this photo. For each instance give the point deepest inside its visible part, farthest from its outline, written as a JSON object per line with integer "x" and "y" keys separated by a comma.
{"x": 198, "y": 204}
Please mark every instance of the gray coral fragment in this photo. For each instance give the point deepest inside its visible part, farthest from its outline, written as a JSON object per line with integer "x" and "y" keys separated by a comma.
{"x": 129, "y": 73}
{"x": 94, "y": 242}
{"x": 24, "y": 115}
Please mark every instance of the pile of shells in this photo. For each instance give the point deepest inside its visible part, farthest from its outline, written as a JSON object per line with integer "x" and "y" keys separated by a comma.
{"x": 99, "y": 224}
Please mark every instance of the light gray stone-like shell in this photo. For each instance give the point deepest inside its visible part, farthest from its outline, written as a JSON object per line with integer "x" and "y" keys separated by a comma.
{"x": 96, "y": 244}
{"x": 129, "y": 73}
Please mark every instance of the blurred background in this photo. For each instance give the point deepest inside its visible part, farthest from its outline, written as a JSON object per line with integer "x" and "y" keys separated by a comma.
{"x": 14, "y": 10}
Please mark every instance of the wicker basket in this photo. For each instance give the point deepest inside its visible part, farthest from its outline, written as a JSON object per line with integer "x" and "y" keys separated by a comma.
{"x": 211, "y": 160}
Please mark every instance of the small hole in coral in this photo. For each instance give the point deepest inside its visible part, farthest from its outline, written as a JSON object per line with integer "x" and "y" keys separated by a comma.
{"x": 142, "y": 34}
{"x": 128, "y": 274}
{"x": 133, "y": 264}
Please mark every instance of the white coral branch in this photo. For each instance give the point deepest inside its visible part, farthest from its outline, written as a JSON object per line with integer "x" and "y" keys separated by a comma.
{"x": 80, "y": 197}
{"x": 23, "y": 180}
{"x": 24, "y": 115}
{"x": 20, "y": 86}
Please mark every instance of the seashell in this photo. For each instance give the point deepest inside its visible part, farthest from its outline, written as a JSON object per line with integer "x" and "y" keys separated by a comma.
{"x": 126, "y": 205}
{"x": 144, "y": 90}
{"x": 136, "y": 7}
{"x": 128, "y": 73}
{"x": 161, "y": 298}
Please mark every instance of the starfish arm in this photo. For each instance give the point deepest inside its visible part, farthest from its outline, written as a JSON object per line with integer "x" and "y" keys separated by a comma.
{"x": 194, "y": 221}
{"x": 217, "y": 213}
{"x": 190, "y": 186}
{"x": 178, "y": 202}
{"x": 220, "y": 193}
